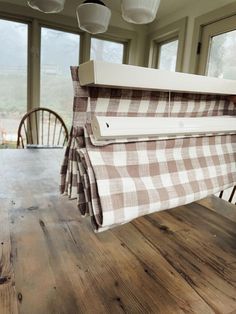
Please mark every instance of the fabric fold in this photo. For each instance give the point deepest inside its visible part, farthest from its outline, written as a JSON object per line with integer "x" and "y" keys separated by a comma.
{"x": 124, "y": 181}
{"x": 116, "y": 182}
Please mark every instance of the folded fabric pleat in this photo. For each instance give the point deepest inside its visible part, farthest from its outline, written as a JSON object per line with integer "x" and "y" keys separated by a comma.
{"x": 124, "y": 181}
{"x": 117, "y": 181}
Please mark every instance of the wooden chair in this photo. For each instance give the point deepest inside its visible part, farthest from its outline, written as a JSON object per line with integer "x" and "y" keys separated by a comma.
{"x": 42, "y": 128}
{"x": 229, "y": 197}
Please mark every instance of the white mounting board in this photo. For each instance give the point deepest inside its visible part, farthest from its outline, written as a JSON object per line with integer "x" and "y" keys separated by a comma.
{"x": 98, "y": 73}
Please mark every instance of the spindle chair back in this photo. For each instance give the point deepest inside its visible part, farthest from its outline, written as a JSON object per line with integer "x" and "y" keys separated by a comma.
{"x": 42, "y": 128}
{"x": 229, "y": 196}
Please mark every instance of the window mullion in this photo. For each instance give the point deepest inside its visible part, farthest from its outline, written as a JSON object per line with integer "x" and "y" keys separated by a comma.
{"x": 34, "y": 66}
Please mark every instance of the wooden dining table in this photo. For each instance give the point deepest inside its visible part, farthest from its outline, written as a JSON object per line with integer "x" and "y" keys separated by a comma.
{"x": 181, "y": 260}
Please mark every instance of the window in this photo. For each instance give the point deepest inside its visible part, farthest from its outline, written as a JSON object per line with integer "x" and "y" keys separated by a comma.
{"x": 167, "y": 56}
{"x": 217, "y": 55}
{"x": 167, "y": 46}
{"x": 13, "y": 79}
{"x": 221, "y": 61}
{"x": 109, "y": 51}
{"x": 59, "y": 50}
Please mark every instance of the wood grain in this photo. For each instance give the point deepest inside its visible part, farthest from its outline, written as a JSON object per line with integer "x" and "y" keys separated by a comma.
{"x": 177, "y": 261}
{"x": 223, "y": 208}
{"x": 8, "y": 302}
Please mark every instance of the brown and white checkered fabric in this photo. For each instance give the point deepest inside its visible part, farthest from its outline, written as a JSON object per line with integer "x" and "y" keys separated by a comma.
{"x": 118, "y": 182}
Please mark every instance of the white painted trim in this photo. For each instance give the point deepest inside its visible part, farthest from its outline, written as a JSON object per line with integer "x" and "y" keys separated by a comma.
{"x": 105, "y": 128}
{"x": 127, "y": 76}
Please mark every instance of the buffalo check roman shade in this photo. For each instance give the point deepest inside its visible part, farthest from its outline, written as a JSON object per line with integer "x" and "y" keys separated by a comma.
{"x": 115, "y": 182}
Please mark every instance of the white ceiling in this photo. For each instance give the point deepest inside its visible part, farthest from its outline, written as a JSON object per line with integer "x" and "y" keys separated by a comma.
{"x": 166, "y": 6}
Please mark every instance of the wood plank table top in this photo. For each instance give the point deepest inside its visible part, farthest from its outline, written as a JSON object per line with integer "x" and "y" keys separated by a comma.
{"x": 177, "y": 261}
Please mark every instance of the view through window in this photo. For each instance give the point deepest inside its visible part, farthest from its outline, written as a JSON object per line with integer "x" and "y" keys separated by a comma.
{"x": 59, "y": 50}
{"x": 13, "y": 79}
{"x": 108, "y": 51}
{"x": 221, "y": 60}
{"x": 168, "y": 56}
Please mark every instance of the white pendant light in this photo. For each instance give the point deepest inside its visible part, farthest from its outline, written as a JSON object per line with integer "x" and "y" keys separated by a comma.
{"x": 47, "y": 6}
{"x": 93, "y": 16}
{"x": 139, "y": 11}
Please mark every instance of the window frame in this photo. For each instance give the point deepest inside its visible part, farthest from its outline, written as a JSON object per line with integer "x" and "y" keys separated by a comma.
{"x": 209, "y": 31}
{"x": 35, "y": 20}
{"x": 200, "y": 22}
{"x": 116, "y": 39}
{"x": 28, "y": 22}
{"x": 158, "y": 45}
{"x": 11, "y": 18}
{"x": 52, "y": 26}
{"x": 65, "y": 29}
{"x": 171, "y": 32}
{"x": 113, "y": 40}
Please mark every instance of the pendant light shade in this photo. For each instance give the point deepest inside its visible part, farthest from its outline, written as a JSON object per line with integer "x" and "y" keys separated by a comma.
{"x": 47, "y": 6}
{"x": 93, "y": 16}
{"x": 139, "y": 11}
